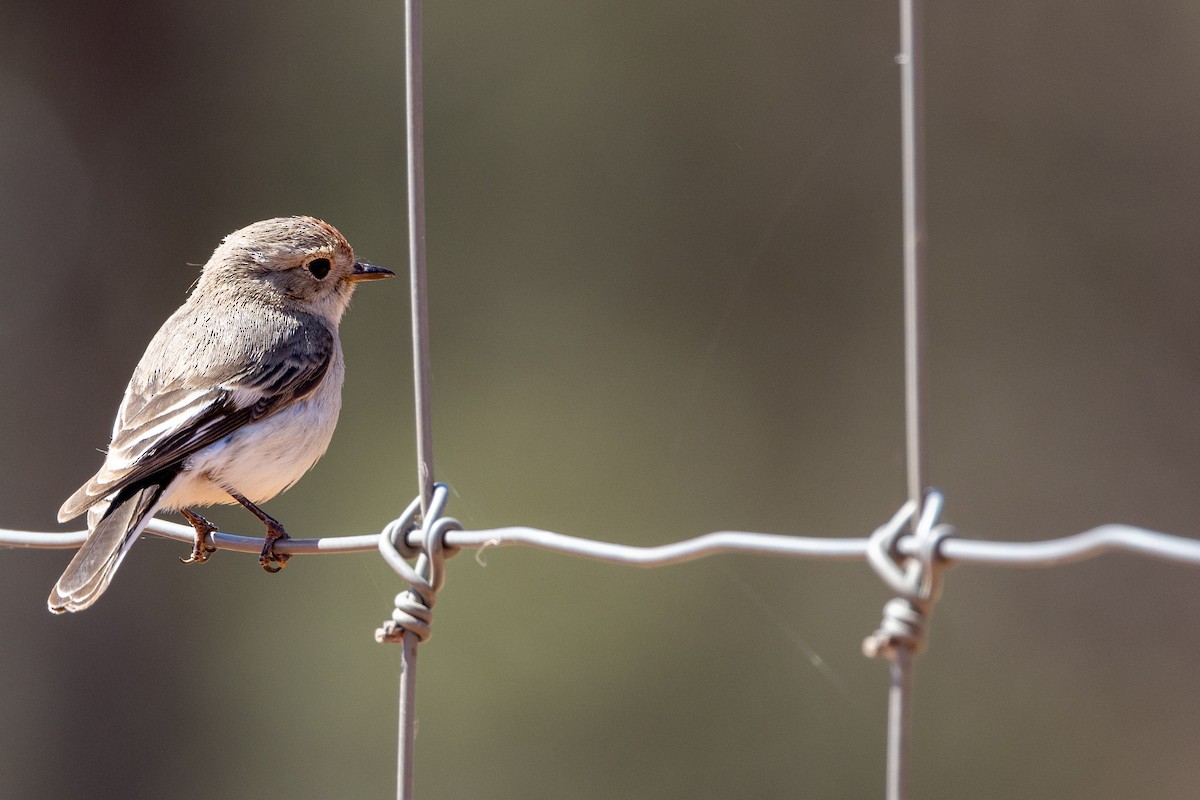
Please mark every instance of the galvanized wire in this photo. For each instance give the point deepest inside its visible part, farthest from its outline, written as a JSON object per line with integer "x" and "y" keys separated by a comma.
{"x": 909, "y": 551}
{"x": 912, "y": 173}
{"x": 1092, "y": 543}
{"x": 912, "y": 165}
{"x": 415, "y": 152}
{"x": 419, "y": 295}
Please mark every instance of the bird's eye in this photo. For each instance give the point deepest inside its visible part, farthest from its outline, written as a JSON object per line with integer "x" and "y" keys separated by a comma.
{"x": 319, "y": 267}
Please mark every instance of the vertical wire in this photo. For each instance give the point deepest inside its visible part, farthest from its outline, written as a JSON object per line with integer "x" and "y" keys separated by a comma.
{"x": 405, "y": 750}
{"x": 912, "y": 159}
{"x": 898, "y": 724}
{"x": 416, "y": 251}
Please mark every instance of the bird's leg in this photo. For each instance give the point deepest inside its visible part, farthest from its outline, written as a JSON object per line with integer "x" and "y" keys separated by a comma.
{"x": 200, "y": 547}
{"x": 269, "y": 559}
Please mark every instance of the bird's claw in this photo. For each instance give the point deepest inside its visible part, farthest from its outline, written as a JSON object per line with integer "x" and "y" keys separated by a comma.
{"x": 201, "y": 549}
{"x": 269, "y": 560}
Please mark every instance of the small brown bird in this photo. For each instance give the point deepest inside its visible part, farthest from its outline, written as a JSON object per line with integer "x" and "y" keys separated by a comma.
{"x": 234, "y": 400}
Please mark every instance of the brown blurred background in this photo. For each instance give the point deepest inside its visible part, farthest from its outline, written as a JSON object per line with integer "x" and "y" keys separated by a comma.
{"x": 664, "y": 251}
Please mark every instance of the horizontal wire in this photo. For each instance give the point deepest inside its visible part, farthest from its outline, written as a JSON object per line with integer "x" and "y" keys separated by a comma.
{"x": 1045, "y": 553}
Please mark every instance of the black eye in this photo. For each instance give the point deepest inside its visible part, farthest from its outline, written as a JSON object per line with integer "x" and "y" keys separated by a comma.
{"x": 319, "y": 267}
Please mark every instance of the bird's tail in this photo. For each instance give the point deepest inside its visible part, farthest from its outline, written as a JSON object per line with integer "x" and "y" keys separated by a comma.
{"x": 109, "y": 539}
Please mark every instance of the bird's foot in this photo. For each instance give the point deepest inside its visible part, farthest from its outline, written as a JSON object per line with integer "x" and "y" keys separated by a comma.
{"x": 269, "y": 559}
{"x": 201, "y": 549}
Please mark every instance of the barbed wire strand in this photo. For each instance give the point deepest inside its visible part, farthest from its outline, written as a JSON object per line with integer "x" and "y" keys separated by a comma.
{"x": 415, "y": 152}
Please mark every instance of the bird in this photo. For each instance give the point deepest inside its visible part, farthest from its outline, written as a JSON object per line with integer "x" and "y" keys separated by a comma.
{"x": 235, "y": 399}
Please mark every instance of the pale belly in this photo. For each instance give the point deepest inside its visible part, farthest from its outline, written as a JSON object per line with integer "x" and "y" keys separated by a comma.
{"x": 262, "y": 459}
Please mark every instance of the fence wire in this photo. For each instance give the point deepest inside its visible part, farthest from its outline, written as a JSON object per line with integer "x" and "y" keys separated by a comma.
{"x": 909, "y": 552}
{"x": 1095, "y": 542}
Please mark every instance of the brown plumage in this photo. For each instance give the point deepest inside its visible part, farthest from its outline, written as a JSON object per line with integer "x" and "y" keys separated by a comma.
{"x": 234, "y": 400}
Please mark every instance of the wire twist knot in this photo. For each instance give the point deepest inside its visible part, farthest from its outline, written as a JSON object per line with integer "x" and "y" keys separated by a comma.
{"x": 413, "y": 613}
{"x": 916, "y": 578}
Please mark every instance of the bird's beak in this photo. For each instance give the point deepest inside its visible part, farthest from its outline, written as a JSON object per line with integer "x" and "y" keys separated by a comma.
{"x": 368, "y": 272}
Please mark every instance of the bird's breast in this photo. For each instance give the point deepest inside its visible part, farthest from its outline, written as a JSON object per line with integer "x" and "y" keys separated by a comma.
{"x": 263, "y": 458}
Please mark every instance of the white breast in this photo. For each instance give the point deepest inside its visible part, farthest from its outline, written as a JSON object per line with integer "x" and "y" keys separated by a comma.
{"x": 262, "y": 459}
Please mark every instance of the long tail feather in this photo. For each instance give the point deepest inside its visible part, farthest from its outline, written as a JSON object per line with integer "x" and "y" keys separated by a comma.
{"x": 92, "y": 568}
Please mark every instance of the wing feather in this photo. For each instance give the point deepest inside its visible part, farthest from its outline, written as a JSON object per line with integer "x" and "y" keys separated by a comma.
{"x": 172, "y": 410}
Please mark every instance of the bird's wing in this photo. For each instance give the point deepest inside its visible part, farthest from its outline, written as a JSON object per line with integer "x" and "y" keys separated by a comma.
{"x": 163, "y": 420}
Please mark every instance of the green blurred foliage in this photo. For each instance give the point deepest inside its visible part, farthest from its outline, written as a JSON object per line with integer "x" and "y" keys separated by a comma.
{"x": 664, "y": 252}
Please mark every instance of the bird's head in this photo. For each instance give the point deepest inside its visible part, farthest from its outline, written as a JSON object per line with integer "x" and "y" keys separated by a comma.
{"x": 289, "y": 260}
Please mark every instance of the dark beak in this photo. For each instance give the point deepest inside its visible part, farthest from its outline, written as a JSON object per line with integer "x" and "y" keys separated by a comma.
{"x": 368, "y": 272}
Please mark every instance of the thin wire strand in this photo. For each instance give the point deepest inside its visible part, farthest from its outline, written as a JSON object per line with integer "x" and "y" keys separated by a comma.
{"x": 912, "y": 161}
{"x": 1030, "y": 554}
{"x": 414, "y": 110}
{"x": 406, "y": 751}
{"x": 899, "y": 721}
{"x": 416, "y": 251}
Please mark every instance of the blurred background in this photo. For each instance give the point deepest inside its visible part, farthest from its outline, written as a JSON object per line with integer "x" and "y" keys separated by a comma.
{"x": 664, "y": 249}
